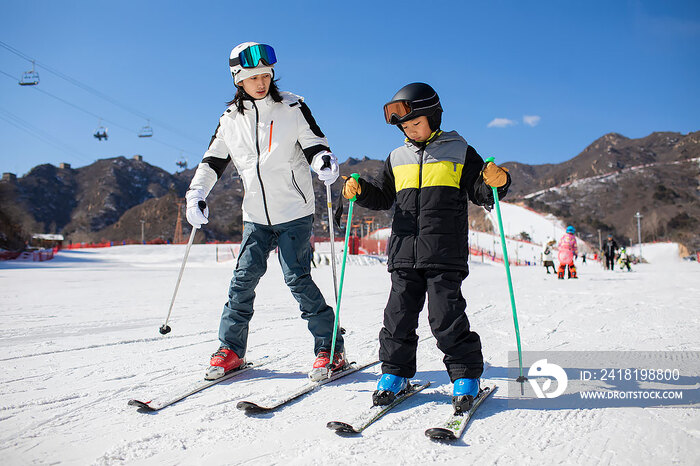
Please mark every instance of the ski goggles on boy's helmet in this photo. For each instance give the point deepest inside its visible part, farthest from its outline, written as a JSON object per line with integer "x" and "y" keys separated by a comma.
{"x": 251, "y": 56}
{"x": 399, "y": 111}
{"x": 396, "y": 111}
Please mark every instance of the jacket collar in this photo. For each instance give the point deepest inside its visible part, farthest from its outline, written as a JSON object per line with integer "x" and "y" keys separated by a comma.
{"x": 263, "y": 103}
{"x": 415, "y": 145}
{"x": 438, "y": 137}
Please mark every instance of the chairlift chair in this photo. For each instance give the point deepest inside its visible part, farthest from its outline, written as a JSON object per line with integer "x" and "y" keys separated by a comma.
{"x": 146, "y": 131}
{"x": 29, "y": 78}
{"x": 101, "y": 133}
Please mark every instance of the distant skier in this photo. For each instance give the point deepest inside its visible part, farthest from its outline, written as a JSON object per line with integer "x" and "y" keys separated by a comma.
{"x": 548, "y": 256}
{"x": 567, "y": 251}
{"x": 609, "y": 250}
{"x": 624, "y": 260}
{"x": 278, "y": 204}
{"x": 430, "y": 181}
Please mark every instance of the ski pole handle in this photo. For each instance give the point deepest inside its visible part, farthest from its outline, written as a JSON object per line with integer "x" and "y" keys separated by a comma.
{"x": 357, "y": 178}
{"x": 326, "y": 161}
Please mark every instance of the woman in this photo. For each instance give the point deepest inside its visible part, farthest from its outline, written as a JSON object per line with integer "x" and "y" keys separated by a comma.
{"x": 272, "y": 139}
{"x": 548, "y": 256}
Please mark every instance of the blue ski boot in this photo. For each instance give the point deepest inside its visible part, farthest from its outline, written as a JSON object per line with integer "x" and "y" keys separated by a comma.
{"x": 388, "y": 387}
{"x": 463, "y": 394}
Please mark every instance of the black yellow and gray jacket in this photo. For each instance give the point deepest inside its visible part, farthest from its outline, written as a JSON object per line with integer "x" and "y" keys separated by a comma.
{"x": 430, "y": 185}
{"x": 272, "y": 144}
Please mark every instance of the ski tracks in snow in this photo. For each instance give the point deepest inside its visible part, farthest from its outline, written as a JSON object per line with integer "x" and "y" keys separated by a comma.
{"x": 69, "y": 386}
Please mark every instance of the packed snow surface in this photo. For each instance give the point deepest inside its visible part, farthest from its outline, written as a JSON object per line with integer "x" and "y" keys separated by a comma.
{"x": 79, "y": 338}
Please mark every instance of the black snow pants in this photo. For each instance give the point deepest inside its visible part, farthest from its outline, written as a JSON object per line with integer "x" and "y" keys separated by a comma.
{"x": 448, "y": 322}
{"x": 609, "y": 262}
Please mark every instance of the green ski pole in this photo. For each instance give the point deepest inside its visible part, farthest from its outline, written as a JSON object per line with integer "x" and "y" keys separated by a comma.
{"x": 522, "y": 378}
{"x": 342, "y": 274}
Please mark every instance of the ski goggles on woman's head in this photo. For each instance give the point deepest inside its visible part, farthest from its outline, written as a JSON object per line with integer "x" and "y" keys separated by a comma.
{"x": 395, "y": 111}
{"x": 251, "y": 56}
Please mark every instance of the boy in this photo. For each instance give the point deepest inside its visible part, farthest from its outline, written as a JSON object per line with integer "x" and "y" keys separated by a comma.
{"x": 430, "y": 180}
{"x": 624, "y": 260}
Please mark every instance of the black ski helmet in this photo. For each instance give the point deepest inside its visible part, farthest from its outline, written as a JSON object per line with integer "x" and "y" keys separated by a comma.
{"x": 412, "y": 101}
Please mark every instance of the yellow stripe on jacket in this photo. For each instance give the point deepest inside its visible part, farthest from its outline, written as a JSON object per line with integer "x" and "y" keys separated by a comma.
{"x": 434, "y": 174}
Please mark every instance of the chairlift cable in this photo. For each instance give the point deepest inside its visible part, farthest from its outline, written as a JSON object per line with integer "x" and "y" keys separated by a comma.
{"x": 27, "y": 127}
{"x": 97, "y": 93}
{"x": 112, "y": 123}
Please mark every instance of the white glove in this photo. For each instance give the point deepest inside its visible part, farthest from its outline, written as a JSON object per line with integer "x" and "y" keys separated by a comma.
{"x": 326, "y": 167}
{"x": 197, "y": 210}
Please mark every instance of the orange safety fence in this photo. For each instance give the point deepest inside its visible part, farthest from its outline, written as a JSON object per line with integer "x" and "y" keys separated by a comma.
{"x": 378, "y": 247}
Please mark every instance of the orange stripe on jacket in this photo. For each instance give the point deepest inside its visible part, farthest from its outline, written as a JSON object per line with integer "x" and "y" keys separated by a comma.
{"x": 269, "y": 146}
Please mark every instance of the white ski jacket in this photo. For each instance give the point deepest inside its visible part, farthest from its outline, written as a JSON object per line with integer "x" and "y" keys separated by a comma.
{"x": 272, "y": 144}
{"x": 547, "y": 254}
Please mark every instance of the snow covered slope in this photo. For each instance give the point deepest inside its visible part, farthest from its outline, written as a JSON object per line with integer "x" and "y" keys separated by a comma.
{"x": 79, "y": 338}
{"x": 656, "y": 253}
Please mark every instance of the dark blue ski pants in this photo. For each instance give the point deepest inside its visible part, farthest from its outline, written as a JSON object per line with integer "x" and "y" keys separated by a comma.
{"x": 293, "y": 240}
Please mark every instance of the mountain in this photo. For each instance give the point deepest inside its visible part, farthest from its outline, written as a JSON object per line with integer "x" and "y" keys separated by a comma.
{"x": 79, "y": 203}
{"x": 614, "y": 178}
{"x": 599, "y": 191}
{"x": 107, "y": 200}
{"x": 608, "y": 154}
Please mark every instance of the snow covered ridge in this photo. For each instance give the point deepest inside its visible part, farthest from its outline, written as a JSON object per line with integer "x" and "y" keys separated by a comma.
{"x": 607, "y": 176}
{"x": 79, "y": 338}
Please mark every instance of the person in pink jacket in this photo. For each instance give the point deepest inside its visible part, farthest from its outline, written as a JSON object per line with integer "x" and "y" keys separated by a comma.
{"x": 567, "y": 251}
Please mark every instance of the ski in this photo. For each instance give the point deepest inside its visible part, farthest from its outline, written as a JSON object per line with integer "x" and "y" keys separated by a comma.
{"x": 250, "y": 407}
{"x": 155, "y": 405}
{"x": 371, "y": 415}
{"x": 456, "y": 424}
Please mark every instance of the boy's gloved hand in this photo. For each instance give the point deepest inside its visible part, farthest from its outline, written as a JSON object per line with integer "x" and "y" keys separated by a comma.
{"x": 351, "y": 188}
{"x": 197, "y": 210}
{"x": 494, "y": 175}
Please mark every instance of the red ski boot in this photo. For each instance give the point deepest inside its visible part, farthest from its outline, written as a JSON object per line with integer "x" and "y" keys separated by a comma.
{"x": 572, "y": 271}
{"x": 223, "y": 362}
{"x": 561, "y": 271}
{"x": 323, "y": 359}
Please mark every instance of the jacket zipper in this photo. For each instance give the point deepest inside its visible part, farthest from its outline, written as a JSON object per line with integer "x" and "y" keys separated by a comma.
{"x": 257, "y": 147}
{"x": 296, "y": 186}
{"x": 420, "y": 184}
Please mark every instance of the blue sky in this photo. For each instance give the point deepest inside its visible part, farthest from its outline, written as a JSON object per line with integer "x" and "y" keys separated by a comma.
{"x": 527, "y": 81}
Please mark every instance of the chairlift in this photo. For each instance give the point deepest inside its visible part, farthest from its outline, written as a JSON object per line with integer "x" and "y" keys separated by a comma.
{"x": 146, "y": 131}
{"x": 101, "y": 133}
{"x": 29, "y": 78}
{"x": 182, "y": 163}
